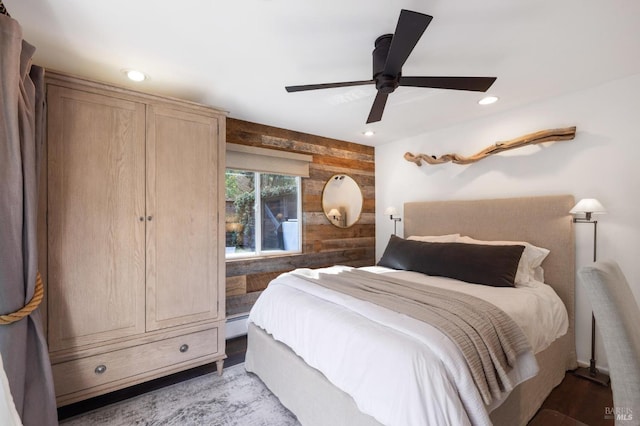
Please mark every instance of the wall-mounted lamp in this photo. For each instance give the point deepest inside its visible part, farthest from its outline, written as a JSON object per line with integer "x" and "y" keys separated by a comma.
{"x": 589, "y": 207}
{"x": 335, "y": 214}
{"x": 391, "y": 211}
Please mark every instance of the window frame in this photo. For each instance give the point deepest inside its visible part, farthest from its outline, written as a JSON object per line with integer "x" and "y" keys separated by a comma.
{"x": 259, "y": 252}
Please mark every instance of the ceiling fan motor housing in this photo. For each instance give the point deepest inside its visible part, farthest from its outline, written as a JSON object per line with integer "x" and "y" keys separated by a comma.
{"x": 384, "y": 83}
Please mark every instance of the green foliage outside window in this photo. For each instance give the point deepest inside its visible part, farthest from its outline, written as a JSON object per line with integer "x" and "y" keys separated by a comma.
{"x": 240, "y": 188}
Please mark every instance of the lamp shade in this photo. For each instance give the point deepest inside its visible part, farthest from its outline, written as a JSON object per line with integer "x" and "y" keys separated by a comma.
{"x": 588, "y": 205}
{"x": 390, "y": 211}
{"x": 334, "y": 213}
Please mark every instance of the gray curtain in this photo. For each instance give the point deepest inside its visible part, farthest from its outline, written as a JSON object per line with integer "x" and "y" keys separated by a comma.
{"x": 22, "y": 344}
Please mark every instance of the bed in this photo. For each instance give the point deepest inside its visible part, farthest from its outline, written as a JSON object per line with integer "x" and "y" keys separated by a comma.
{"x": 542, "y": 221}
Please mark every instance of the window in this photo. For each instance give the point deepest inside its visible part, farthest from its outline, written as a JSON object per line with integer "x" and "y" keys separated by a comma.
{"x": 262, "y": 214}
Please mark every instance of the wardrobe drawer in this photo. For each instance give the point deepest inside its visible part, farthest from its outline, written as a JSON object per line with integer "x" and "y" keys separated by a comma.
{"x": 84, "y": 373}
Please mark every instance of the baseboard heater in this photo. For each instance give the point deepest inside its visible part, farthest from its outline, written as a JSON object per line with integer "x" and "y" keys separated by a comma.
{"x": 237, "y": 326}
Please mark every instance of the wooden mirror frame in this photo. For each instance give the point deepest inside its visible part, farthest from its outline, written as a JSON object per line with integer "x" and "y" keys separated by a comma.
{"x": 342, "y": 201}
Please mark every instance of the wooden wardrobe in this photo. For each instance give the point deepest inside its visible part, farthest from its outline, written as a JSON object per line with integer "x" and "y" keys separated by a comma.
{"x": 134, "y": 256}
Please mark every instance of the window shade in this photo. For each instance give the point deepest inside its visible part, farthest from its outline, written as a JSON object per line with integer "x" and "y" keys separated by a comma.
{"x": 255, "y": 159}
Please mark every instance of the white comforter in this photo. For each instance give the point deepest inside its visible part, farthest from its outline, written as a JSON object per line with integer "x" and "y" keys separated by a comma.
{"x": 399, "y": 370}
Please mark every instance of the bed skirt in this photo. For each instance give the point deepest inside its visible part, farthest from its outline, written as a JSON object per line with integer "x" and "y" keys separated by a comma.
{"x": 316, "y": 402}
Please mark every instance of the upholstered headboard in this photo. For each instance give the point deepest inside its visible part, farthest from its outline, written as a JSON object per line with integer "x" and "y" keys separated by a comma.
{"x": 542, "y": 221}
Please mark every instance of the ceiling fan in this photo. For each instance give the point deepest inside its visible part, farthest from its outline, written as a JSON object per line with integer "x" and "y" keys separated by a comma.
{"x": 389, "y": 55}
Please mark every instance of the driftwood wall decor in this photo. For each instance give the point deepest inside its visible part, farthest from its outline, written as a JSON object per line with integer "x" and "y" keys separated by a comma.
{"x": 551, "y": 135}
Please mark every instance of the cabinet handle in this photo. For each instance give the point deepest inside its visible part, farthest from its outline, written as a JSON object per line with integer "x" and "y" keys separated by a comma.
{"x": 184, "y": 348}
{"x": 141, "y": 218}
{"x": 149, "y": 218}
{"x": 100, "y": 369}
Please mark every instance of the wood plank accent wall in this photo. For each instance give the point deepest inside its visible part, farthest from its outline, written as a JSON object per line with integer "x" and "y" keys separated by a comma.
{"x": 322, "y": 243}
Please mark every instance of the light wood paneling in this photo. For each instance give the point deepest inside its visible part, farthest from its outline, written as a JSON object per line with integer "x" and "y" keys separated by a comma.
{"x": 95, "y": 202}
{"x": 134, "y": 237}
{"x": 73, "y": 378}
{"x": 182, "y": 215}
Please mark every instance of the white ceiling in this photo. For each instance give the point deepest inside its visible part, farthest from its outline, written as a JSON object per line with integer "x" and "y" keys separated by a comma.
{"x": 239, "y": 54}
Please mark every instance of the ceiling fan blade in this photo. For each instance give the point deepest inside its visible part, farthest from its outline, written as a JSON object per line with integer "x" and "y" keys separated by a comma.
{"x": 327, "y": 85}
{"x": 411, "y": 26}
{"x": 475, "y": 84}
{"x": 377, "y": 108}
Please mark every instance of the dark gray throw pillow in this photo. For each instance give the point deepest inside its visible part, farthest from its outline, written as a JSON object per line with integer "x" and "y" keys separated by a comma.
{"x": 473, "y": 263}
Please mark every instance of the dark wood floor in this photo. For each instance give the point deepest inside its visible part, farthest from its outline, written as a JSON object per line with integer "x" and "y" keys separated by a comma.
{"x": 573, "y": 403}
{"x": 581, "y": 400}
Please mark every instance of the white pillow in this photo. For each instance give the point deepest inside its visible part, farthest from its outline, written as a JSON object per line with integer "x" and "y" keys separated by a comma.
{"x": 449, "y": 238}
{"x": 538, "y": 274}
{"x": 530, "y": 261}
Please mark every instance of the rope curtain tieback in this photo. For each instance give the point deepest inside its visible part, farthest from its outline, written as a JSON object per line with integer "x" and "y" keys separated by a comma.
{"x": 29, "y": 307}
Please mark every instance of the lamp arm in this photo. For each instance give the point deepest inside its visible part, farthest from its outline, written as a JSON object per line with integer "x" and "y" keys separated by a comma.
{"x": 595, "y": 233}
{"x": 395, "y": 222}
{"x": 595, "y": 239}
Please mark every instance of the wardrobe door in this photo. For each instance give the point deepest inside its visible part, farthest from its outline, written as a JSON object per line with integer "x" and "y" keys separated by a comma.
{"x": 96, "y": 196}
{"x": 183, "y": 177}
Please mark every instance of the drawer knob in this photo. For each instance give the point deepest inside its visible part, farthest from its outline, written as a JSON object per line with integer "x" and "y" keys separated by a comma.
{"x": 184, "y": 348}
{"x": 100, "y": 369}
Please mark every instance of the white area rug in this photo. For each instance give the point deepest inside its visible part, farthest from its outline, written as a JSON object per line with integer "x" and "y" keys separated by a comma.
{"x": 237, "y": 398}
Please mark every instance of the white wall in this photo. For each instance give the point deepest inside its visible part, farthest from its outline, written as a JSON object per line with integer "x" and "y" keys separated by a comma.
{"x": 602, "y": 162}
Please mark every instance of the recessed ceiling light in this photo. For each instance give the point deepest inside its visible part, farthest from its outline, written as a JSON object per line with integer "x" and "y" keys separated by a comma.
{"x": 488, "y": 100}
{"x": 368, "y": 133}
{"x": 135, "y": 75}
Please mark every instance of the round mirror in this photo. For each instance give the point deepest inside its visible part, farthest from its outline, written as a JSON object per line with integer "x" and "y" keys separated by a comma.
{"x": 342, "y": 201}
